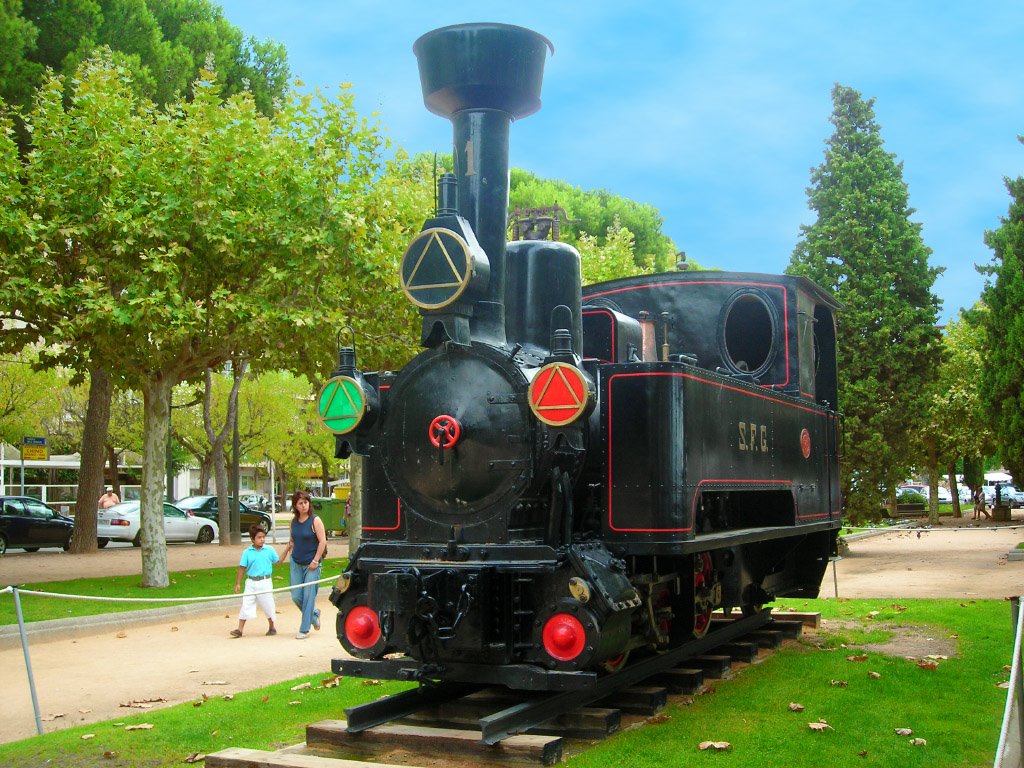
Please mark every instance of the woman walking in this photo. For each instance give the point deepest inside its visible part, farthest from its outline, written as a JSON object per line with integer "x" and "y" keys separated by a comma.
{"x": 307, "y": 546}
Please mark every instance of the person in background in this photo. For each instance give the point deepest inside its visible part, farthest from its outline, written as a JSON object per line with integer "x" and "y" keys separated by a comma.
{"x": 257, "y": 565}
{"x": 108, "y": 499}
{"x": 307, "y": 546}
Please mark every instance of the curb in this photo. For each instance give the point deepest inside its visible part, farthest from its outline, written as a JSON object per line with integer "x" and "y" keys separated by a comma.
{"x": 81, "y": 626}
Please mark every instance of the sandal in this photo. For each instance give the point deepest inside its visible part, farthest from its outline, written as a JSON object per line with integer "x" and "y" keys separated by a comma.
{"x": 271, "y": 631}
{"x": 236, "y": 633}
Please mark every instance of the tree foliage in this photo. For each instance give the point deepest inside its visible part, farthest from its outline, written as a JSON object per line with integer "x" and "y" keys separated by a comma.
{"x": 1004, "y": 364}
{"x": 956, "y": 424}
{"x": 600, "y": 216}
{"x": 164, "y": 43}
{"x": 864, "y": 247}
{"x": 160, "y": 244}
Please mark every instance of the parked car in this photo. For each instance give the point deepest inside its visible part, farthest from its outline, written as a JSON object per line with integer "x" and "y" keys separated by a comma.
{"x": 256, "y": 501}
{"x": 206, "y": 506}
{"x": 943, "y": 495}
{"x": 1008, "y": 494}
{"x": 122, "y": 522}
{"x": 907, "y": 488}
{"x": 27, "y": 523}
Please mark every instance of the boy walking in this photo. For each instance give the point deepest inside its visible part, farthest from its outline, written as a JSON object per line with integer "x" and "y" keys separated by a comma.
{"x": 257, "y": 565}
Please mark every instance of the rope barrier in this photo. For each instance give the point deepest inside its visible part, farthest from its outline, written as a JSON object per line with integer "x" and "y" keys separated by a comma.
{"x": 202, "y": 599}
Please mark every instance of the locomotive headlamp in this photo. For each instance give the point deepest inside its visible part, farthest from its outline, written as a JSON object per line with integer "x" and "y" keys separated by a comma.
{"x": 341, "y": 404}
{"x": 579, "y": 589}
{"x": 442, "y": 263}
{"x": 564, "y": 637}
{"x": 559, "y": 394}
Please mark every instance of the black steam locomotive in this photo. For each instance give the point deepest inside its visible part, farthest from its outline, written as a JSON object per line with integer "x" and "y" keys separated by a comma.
{"x": 565, "y": 475}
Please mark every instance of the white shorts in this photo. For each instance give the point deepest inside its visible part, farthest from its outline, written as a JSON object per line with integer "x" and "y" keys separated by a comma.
{"x": 257, "y": 592}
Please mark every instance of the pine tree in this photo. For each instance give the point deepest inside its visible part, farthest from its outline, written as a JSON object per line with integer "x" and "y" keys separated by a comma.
{"x": 865, "y": 249}
{"x": 1003, "y": 368}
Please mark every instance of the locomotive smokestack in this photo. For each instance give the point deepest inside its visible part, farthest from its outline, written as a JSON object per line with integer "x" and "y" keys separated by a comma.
{"x": 482, "y": 77}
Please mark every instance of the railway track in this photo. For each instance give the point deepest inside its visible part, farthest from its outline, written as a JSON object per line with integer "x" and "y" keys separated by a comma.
{"x": 477, "y": 724}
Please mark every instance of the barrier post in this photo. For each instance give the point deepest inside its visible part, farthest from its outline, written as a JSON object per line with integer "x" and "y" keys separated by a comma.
{"x": 28, "y": 661}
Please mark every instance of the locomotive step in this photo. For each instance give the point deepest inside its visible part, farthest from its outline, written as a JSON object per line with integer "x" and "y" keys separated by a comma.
{"x": 383, "y": 739}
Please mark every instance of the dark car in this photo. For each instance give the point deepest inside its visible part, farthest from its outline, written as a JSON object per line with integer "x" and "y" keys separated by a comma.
{"x": 206, "y": 506}
{"x": 27, "y": 523}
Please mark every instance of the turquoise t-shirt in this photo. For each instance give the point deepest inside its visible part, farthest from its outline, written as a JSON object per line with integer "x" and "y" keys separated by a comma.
{"x": 258, "y": 562}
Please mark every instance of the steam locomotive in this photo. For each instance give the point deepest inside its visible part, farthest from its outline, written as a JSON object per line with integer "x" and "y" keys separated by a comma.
{"x": 565, "y": 475}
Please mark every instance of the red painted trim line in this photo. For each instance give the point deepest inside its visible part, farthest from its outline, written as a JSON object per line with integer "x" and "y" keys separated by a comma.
{"x": 395, "y": 527}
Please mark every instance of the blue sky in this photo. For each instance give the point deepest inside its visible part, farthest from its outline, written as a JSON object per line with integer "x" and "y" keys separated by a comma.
{"x": 716, "y": 112}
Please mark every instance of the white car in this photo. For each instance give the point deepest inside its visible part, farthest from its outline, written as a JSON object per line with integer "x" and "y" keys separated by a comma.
{"x": 121, "y": 523}
{"x": 944, "y": 496}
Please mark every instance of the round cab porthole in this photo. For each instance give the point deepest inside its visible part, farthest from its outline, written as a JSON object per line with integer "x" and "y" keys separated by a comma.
{"x": 749, "y": 330}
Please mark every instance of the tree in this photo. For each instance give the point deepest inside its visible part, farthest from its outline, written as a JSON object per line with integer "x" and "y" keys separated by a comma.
{"x": 612, "y": 259}
{"x": 866, "y": 250}
{"x": 170, "y": 243}
{"x": 164, "y": 43}
{"x": 598, "y": 213}
{"x": 1004, "y": 361}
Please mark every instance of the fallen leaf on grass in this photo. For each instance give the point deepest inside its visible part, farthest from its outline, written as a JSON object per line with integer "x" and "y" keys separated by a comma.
{"x": 919, "y": 742}
{"x": 1005, "y": 684}
{"x": 719, "y": 745}
{"x": 858, "y": 657}
{"x": 928, "y": 664}
{"x": 371, "y": 682}
{"x": 821, "y": 725}
{"x": 899, "y": 608}
{"x": 707, "y": 691}
{"x": 301, "y": 686}
{"x": 904, "y": 732}
{"x": 838, "y": 683}
{"x": 862, "y": 753}
{"x": 228, "y": 696}
{"x": 872, "y": 614}
{"x": 293, "y": 703}
{"x": 794, "y": 707}
{"x": 109, "y": 755}
{"x": 195, "y": 757}
{"x": 144, "y": 703}
{"x": 117, "y": 725}
{"x": 215, "y": 682}
{"x": 874, "y": 675}
{"x": 87, "y": 736}
{"x": 198, "y": 703}
{"x": 139, "y": 727}
{"x": 658, "y": 719}
{"x": 52, "y": 717}
{"x": 265, "y": 699}
{"x": 331, "y": 682}
{"x": 686, "y": 701}
{"x": 936, "y": 657}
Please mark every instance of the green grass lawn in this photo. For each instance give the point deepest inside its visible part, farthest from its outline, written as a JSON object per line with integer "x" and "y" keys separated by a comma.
{"x": 956, "y": 708}
{"x": 199, "y": 583}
